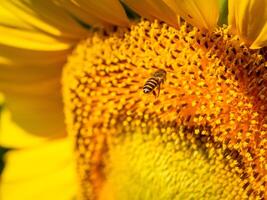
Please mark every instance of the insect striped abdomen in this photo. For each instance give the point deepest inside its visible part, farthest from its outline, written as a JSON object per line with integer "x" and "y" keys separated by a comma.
{"x": 150, "y": 85}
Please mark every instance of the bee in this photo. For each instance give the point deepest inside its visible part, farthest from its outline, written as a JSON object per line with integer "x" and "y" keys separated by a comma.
{"x": 155, "y": 81}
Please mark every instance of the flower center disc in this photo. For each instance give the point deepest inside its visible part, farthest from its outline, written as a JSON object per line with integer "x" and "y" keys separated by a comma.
{"x": 202, "y": 137}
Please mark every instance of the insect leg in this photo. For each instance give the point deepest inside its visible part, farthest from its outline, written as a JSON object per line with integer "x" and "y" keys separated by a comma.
{"x": 158, "y": 89}
{"x": 154, "y": 93}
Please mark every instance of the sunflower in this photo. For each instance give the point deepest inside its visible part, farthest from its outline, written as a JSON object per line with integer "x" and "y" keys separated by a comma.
{"x": 80, "y": 126}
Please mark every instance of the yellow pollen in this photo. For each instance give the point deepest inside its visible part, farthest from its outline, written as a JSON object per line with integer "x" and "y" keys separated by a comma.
{"x": 205, "y": 134}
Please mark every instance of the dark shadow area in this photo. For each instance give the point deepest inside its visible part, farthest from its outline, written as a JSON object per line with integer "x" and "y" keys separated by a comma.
{"x": 2, "y": 153}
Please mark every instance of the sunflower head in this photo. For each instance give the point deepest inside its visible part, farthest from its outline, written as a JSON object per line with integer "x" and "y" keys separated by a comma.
{"x": 160, "y": 103}
{"x": 210, "y": 113}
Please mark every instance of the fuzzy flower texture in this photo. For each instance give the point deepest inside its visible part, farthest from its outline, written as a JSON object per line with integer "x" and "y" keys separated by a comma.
{"x": 203, "y": 136}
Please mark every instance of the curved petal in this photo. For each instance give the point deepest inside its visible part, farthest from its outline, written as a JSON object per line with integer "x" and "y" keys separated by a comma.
{"x": 6, "y": 17}
{"x": 43, "y": 172}
{"x": 154, "y": 9}
{"x": 30, "y": 40}
{"x": 82, "y": 14}
{"x": 248, "y": 18}
{"x": 45, "y": 16}
{"x": 32, "y": 92}
{"x": 28, "y": 30}
{"x": 201, "y": 13}
{"x": 98, "y": 13}
{"x": 13, "y": 136}
{"x": 13, "y": 57}
{"x": 14, "y": 129}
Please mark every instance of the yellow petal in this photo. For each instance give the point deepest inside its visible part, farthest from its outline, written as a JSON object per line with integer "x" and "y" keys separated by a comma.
{"x": 38, "y": 115}
{"x": 30, "y": 81}
{"x": 34, "y": 45}
{"x": 23, "y": 59}
{"x": 9, "y": 19}
{"x": 261, "y": 40}
{"x": 248, "y": 18}
{"x": 14, "y": 132}
{"x": 43, "y": 172}
{"x": 154, "y": 9}
{"x": 100, "y": 12}
{"x": 30, "y": 40}
{"x": 22, "y": 26}
{"x": 32, "y": 90}
{"x": 78, "y": 11}
{"x": 201, "y": 13}
{"x": 47, "y": 16}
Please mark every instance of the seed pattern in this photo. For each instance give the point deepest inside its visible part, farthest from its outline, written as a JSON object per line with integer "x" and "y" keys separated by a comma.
{"x": 214, "y": 100}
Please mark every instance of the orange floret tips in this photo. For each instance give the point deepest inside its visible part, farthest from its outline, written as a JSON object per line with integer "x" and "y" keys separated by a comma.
{"x": 213, "y": 101}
